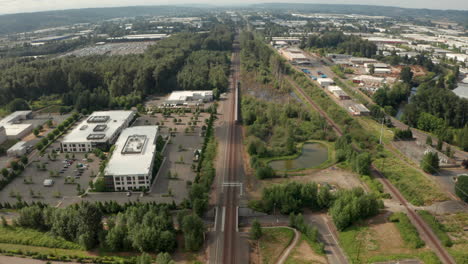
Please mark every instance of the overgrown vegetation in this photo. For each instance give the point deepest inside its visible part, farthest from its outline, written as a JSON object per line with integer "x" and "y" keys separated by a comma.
{"x": 408, "y": 232}
{"x": 437, "y": 227}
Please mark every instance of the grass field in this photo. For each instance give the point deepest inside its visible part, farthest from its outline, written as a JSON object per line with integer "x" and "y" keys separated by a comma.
{"x": 273, "y": 242}
{"x": 24, "y": 236}
{"x": 380, "y": 241}
{"x": 304, "y": 253}
{"x": 415, "y": 187}
{"x": 455, "y": 225}
{"x": 438, "y": 228}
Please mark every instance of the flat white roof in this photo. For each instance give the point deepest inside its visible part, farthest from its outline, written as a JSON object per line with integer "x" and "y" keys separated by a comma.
{"x": 325, "y": 80}
{"x": 332, "y": 88}
{"x": 13, "y": 117}
{"x": 16, "y": 129}
{"x": 18, "y": 146}
{"x": 461, "y": 90}
{"x": 134, "y": 152}
{"x": 98, "y": 127}
{"x": 360, "y": 108}
{"x": 184, "y": 95}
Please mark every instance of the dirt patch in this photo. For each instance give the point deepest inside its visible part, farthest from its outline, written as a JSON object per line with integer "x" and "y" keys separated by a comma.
{"x": 386, "y": 237}
{"x": 333, "y": 176}
{"x": 303, "y": 253}
{"x": 416, "y": 69}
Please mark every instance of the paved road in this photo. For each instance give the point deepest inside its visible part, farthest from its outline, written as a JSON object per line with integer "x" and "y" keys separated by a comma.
{"x": 333, "y": 251}
{"x": 285, "y": 254}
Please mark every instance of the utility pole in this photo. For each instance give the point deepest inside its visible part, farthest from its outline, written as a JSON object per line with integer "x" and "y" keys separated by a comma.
{"x": 381, "y": 131}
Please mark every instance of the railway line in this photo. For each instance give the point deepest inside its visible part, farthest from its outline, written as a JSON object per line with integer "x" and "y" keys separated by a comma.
{"x": 225, "y": 248}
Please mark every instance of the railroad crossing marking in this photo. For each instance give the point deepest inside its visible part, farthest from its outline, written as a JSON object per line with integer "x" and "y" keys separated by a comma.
{"x": 234, "y": 184}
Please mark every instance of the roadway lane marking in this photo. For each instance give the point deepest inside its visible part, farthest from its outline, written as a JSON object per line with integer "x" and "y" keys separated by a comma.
{"x": 216, "y": 218}
{"x": 237, "y": 218}
{"x": 223, "y": 216}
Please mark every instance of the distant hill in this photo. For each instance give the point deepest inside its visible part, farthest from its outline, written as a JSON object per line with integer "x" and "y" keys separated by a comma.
{"x": 23, "y": 22}
{"x": 460, "y": 16}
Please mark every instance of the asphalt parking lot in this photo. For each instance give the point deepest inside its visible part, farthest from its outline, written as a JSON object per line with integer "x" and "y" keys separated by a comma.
{"x": 174, "y": 177}
{"x": 36, "y": 191}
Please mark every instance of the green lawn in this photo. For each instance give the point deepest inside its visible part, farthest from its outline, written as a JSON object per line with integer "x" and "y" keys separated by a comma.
{"x": 362, "y": 245}
{"x": 273, "y": 242}
{"x": 30, "y": 237}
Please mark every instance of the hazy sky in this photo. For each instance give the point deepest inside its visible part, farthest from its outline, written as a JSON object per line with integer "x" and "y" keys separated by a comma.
{"x": 19, "y": 6}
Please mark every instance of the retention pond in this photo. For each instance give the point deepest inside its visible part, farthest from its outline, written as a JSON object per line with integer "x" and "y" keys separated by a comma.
{"x": 313, "y": 154}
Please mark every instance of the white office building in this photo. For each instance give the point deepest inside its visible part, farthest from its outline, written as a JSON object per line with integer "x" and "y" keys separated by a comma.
{"x": 11, "y": 127}
{"x": 18, "y": 149}
{"x": 189, "y": 98}
{"x": 99, "y": 130}
{"x": 131, "y": 164}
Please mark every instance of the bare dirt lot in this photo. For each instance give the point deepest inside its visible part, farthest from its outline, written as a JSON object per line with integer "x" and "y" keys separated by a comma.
{"x": 334, "y": 176}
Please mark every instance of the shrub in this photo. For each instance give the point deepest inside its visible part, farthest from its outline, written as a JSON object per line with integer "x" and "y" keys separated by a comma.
{"x": 408, "y": 232}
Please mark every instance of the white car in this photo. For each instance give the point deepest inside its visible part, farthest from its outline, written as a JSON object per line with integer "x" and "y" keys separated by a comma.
{"x": 48, "y": 183}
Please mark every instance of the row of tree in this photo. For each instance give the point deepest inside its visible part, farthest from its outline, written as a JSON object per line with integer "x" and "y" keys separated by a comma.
{"x": 137, "y": 227}
{"x": 346, "y": 206}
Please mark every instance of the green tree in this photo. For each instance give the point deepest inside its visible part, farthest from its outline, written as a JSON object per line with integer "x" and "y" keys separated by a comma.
{"x": 430, "y": 162}
{"x": 164, "y": 258}
{"x": 24, "y": 160}
{"x": 256, "y": 230}
{"x": 36, "y": 132}
{"x": 461, "y": 187}
{"x": 406, "y": 75}
{"x": 429, "y": 141}
{"x": 18, "y": 104}
{"x": 193, "y": 230}
{"x": 144, "y": 258}
{"x": 371, "y": 69}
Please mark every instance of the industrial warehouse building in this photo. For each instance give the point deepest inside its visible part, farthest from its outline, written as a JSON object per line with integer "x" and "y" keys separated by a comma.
{"x": 131, "y": 164}
{"x": 325, "y": 82}
{"x": 294, "y": 55}
{"x": 11, "y": 127}
{"x": 338, "y": 92}
{"x": 359, "y": 110}
{"x": 99, "y": 130}
{"x": 187, "y": 98}
{"x": 18, "y": 149}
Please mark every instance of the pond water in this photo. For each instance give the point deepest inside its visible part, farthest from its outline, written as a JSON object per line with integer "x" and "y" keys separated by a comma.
{"x": 313, "y": 154}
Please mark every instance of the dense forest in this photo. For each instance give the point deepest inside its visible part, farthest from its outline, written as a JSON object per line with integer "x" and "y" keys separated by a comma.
{"x": 336, "y": 41}
{"x": 183, "y": 61}
{"x": 438, "y": 110}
